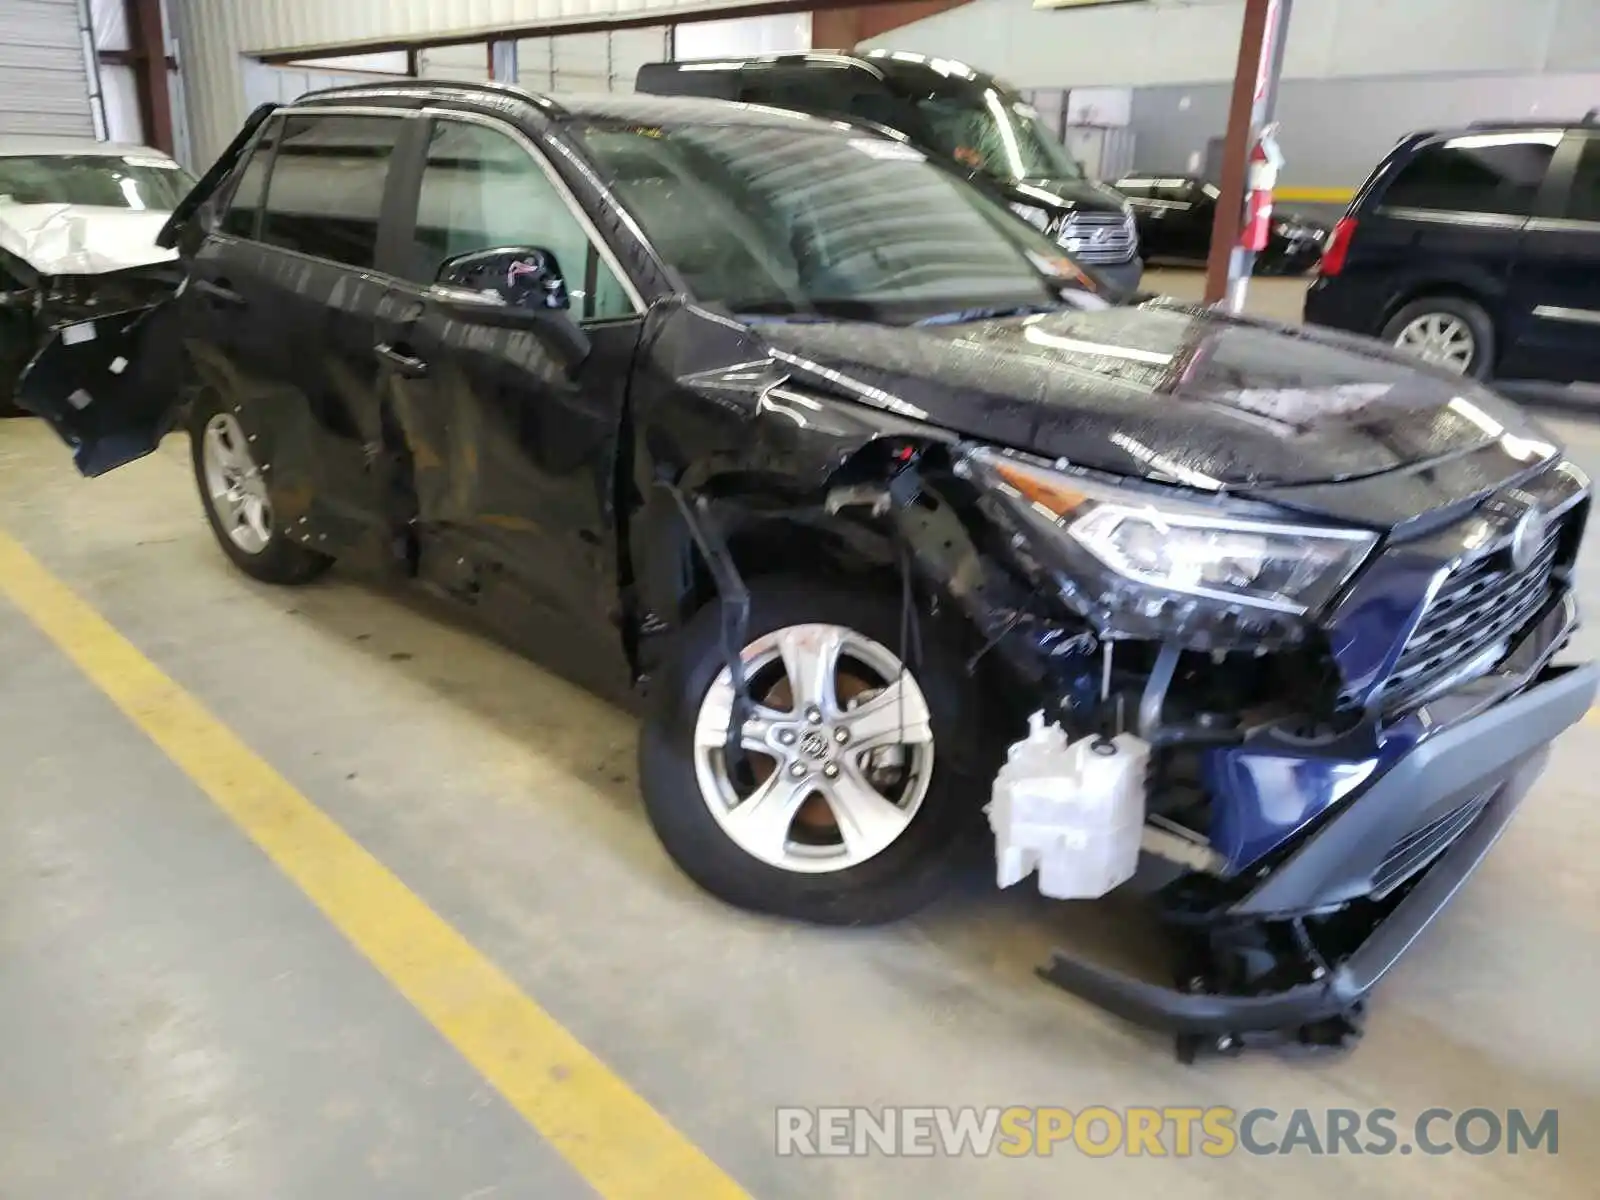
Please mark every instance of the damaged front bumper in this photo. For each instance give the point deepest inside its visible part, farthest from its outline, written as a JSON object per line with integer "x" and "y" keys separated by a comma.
{"x": 1364, "y": 883}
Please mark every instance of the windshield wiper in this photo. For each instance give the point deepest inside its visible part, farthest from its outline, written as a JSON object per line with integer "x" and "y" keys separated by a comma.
{"x": 962, "y": 315}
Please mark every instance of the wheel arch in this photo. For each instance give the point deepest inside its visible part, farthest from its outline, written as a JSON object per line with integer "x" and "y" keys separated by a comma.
{"x": 1461, "y": 285}
{"x": 770, "y": 527}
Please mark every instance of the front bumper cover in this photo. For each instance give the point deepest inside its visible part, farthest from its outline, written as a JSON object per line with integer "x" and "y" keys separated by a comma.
{"x": 1488, "y": 757}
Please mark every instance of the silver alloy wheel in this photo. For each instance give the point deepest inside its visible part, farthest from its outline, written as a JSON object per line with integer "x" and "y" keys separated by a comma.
{"x": 1441, "y": 338}
{"x": 867, "y": 758}
{"x": 235, "y": 488}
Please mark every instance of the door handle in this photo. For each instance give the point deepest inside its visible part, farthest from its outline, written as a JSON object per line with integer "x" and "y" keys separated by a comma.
{"x": 222, "y": 292}
{"x": 407, "y": 364}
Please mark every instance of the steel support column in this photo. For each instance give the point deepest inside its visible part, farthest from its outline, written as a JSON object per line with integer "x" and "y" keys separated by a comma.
{"x": 503, "y": 61}
{"x": 1255, "y": 94}
{"x": 147, "y": 54}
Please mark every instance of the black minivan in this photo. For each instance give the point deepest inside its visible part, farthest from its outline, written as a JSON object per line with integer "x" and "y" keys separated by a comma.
{"x": 948, "y": 109}
{"x": 1478, "y": 249}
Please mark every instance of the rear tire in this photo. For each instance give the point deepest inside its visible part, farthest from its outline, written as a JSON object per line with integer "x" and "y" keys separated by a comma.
{"x": 820, "y": 885}
{"x": 1451, "y": 332}
{"x": 240, "y": 515}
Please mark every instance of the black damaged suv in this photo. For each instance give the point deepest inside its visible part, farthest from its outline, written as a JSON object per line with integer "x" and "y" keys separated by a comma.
{"x": 843, "y": 464}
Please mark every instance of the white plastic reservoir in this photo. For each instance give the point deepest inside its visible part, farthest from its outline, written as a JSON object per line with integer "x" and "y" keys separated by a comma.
{"x": 1072, "y": 811}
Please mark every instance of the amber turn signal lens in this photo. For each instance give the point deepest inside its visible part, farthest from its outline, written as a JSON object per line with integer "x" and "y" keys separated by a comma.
{"x": 1054, "y": 495}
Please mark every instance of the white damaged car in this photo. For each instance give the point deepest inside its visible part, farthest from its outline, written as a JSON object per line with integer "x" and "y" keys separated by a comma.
{"x": 78, "y": 226}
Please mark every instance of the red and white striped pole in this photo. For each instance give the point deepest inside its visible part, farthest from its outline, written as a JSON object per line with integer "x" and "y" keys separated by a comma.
{"x": 1260, "y": 180}
{"x": 1261, "y": 47}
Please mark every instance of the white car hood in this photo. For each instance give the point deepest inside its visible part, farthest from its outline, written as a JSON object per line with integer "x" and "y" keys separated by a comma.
{"x": 71, "y": 239}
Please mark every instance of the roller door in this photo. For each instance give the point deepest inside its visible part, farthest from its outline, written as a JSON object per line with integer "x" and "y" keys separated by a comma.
{"x": 44, "y": 85}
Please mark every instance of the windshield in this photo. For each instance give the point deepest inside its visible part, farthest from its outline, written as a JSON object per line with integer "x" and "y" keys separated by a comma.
{"x": 102, "y": 180}
{"x": 792, "y": 221}
{"x": 996, "y": 132}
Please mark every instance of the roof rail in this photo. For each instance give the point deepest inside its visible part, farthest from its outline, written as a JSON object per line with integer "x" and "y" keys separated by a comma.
{"x": 402, "y": 85}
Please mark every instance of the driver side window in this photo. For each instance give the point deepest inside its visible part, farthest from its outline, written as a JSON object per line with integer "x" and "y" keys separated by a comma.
{"x": 481, "y": 190}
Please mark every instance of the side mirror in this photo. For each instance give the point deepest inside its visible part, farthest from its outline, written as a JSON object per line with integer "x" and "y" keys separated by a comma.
{"x": 523, "y": 277}
{"x": 514, "y": 285}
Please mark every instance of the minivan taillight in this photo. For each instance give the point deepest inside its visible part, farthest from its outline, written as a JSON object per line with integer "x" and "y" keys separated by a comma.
{"x": 1338, "y": 247}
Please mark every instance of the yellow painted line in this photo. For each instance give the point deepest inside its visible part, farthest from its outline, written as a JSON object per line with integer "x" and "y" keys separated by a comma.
{"x": 605, "y": 1131}
{"x": 1311, "y": 195}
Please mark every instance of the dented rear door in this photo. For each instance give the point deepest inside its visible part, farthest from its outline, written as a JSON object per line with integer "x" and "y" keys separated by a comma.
{"x": 110, "y": 386}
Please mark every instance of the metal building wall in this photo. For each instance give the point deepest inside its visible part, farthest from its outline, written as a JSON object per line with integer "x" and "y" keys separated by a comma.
{"x": 44, "y": 73}
{"x": 1197, "y": 41}
{"x": 1334, "y": 131}
{"x": 214, "y": 34}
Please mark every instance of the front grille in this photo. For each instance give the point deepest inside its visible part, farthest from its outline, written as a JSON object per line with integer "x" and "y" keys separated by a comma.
{"x": 1421, "y": 846}
{"x": 1478, "y": 607}
{"x": 1099, "y": 238}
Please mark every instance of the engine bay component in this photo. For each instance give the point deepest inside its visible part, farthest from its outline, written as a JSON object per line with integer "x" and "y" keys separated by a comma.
{"x": 1072, "y": 811}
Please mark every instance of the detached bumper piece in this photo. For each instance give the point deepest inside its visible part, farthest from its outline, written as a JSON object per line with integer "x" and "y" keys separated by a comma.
{"x": 1291, "y": 963}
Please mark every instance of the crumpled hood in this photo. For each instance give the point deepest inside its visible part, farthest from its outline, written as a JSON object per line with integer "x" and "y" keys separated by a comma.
{"x": 1163, "y": 391}
{"x": 70, "y": 239}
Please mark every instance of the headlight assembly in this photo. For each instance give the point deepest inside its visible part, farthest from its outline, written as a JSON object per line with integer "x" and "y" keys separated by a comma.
{"x": 1138, "y": 562}
{"x": 1037, "y": 217}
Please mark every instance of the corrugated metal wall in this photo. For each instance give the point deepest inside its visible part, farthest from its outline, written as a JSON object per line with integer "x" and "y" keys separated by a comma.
{"x": 44, "y": 80}
{"x": 1197, "y": 41}
{"x": 1334, "y": 131}
{"x": 214, "y": 34}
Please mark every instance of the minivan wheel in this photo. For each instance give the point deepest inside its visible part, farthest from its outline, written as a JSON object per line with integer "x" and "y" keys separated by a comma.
{"x": 843, "y": 808}
{"x": 1447, "y": 331}
{"x": 238, "y": 505}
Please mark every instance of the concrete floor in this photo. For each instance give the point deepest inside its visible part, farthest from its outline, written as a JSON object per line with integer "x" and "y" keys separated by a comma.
{"x": 177, "y": 1020}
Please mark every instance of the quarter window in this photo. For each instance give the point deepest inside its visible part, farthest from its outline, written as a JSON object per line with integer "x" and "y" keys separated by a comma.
{"x": 1584, "y": 203}
{"x": 481, "y": 190}
{"x": 1477, "y": 173}
{"x": 326, "y": 191}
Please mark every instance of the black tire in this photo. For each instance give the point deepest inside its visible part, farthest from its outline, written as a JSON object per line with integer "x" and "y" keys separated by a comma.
{"x": 901, "y": 879}
{"x": 282, "y": 561}
{"x": 1467, "y": 311}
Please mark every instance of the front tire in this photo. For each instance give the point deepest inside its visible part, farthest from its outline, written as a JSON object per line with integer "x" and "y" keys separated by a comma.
{"x": 842, "y": 813}
{"x": 233, "y": 492}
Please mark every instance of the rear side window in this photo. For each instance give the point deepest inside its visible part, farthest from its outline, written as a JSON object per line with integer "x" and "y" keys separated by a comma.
{"x": 244, "y": 208}
{"x": 326, "y": 190}
{"x": 827, "y": 91}
{"x": 1584, "y": 203}
{"x": 1477, "y": 173}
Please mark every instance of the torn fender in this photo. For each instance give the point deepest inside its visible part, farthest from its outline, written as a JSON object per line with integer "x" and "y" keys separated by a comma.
{"x": 714, "y": 410}
{"x": 795, "y": 467}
